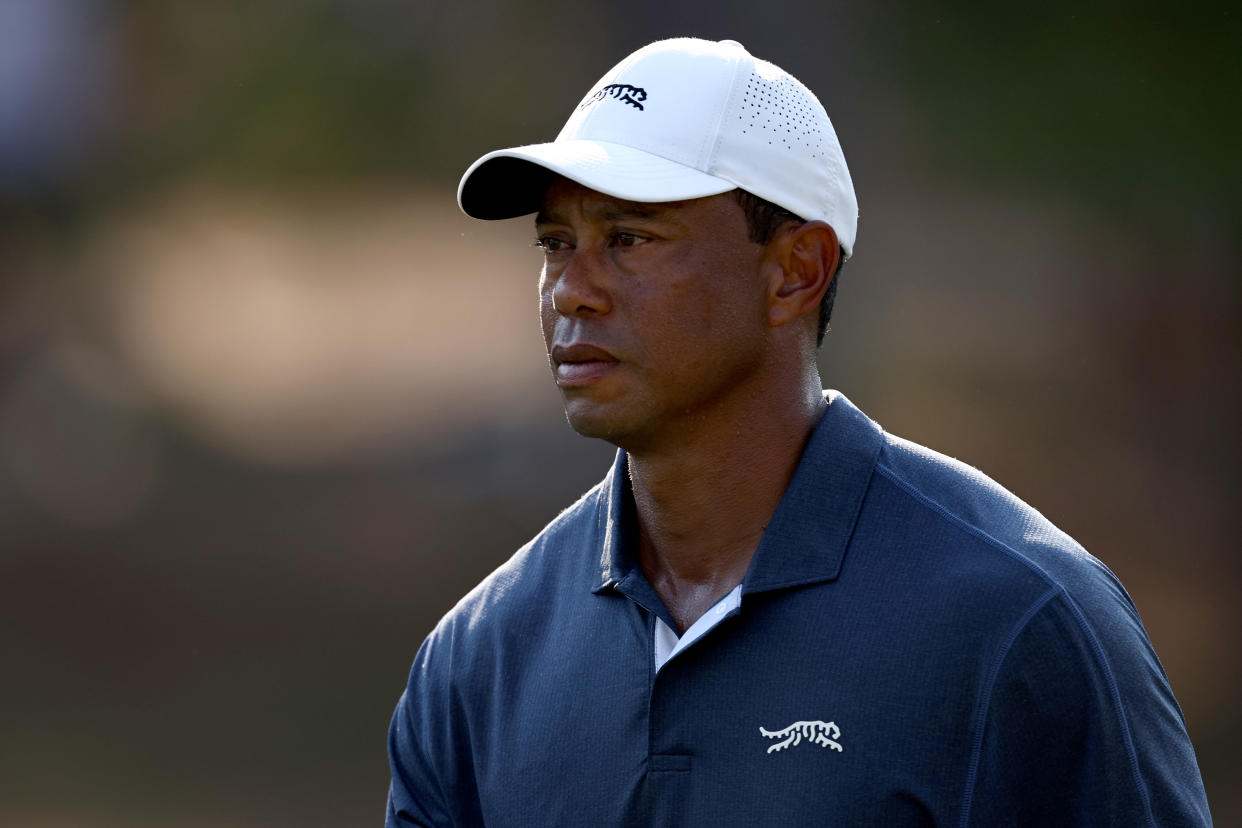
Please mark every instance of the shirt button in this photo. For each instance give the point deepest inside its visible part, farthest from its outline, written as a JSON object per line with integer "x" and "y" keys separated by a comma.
{"x": 720, "y": 609}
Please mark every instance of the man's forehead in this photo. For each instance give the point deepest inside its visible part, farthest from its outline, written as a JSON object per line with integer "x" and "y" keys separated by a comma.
{"x": 564, "y": 199}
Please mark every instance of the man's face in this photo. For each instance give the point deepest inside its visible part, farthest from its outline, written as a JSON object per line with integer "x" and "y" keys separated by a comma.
{"x": 653, "y": 314}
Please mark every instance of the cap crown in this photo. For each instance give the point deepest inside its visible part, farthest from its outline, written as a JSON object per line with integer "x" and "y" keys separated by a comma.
{"x": 716, "y": 108}
{"x": 668, "y": 102}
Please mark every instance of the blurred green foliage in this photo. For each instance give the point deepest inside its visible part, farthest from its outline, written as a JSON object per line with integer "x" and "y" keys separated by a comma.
{"x": 1131, "y": 108}
{"x": 274, "y": 92}
{"x": 1131, "y": 104}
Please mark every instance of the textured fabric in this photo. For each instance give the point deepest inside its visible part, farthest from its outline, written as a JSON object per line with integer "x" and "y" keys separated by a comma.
{"x": 914, "y": 646}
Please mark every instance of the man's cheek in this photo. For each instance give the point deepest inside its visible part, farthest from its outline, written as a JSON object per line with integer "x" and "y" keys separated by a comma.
{"x": 547, "y": 317}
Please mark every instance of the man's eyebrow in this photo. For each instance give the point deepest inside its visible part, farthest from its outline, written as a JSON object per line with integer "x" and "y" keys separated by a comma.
{"x": 613, "y": 212}
{"x": 545, "y": 217}
{"x": 608, "y": 212}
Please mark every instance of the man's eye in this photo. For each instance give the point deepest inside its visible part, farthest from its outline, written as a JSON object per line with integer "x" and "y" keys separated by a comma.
{"x": 628, "y": 239}
{"x": 551, "y": 244}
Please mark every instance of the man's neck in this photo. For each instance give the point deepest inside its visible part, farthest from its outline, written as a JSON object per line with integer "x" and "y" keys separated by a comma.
{"x": 703, "y": 505}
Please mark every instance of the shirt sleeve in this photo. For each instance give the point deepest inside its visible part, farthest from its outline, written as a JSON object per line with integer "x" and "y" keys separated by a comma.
{"x": 412, "y": 796}
{"x": 418, "y": 756}
{"x": 1080, "y": 728}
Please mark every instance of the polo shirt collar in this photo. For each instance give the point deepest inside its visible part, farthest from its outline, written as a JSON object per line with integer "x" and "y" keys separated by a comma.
{"x": 615, "y": 526}
{"x": 805, "y": 541}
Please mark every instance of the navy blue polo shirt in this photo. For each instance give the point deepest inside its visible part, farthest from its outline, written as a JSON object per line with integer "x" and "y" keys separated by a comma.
{"x": 913, "y": 645}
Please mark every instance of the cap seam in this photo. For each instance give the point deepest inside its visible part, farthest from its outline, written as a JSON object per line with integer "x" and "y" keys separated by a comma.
{"x": 745, "y": 61}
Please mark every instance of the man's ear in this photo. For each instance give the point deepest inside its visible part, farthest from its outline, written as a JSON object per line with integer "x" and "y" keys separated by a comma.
{"x": 805, "y": 258}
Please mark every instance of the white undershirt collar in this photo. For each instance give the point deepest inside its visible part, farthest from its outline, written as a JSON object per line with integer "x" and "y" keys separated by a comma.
{"x": 667, "y": 644}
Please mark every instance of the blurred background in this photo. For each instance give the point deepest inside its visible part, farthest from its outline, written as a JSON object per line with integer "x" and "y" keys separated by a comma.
{"x": 269, "y": 404}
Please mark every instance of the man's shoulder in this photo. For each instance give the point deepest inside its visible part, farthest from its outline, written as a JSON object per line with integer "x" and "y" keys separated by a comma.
{"x": 985, "y": 527}
{"x": 966, "y": 495}
{"x": 560, "y": 560}
{"x": 1069, "y": 651}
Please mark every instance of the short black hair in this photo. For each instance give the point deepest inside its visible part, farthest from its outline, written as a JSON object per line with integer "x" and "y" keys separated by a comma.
{"x": 763, "y": 219}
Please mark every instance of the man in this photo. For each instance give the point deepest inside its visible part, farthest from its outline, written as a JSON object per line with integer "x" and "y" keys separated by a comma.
{"x": 770, "y": 612}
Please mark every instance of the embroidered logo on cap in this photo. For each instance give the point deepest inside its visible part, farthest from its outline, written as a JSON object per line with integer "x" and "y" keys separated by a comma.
{"x": 821, "y": 733}
{"x": 632, "y": 95}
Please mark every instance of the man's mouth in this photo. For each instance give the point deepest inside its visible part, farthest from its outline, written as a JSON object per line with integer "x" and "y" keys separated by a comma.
{"x": 581, "y": 364}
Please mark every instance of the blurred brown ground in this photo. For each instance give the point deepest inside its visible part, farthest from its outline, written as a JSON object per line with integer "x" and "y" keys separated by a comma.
{"x": 269, "y": 404}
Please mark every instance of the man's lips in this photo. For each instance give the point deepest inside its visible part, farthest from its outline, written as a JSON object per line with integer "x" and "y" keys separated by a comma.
{"x": 581, "y": 363}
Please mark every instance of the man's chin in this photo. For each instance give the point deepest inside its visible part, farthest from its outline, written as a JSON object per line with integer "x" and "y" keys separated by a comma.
{"x": 588, "y": 426}
{"x": 599, "y": 421}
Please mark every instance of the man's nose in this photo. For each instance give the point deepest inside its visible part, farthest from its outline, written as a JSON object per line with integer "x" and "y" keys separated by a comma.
{"x": 582, "y": 286}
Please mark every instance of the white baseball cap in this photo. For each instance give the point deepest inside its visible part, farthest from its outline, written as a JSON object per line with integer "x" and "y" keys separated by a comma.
{"x": 680, "y": 119}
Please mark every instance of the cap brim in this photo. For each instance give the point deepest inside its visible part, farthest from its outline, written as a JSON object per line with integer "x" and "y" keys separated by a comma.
{"x": 511, "y": 182}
